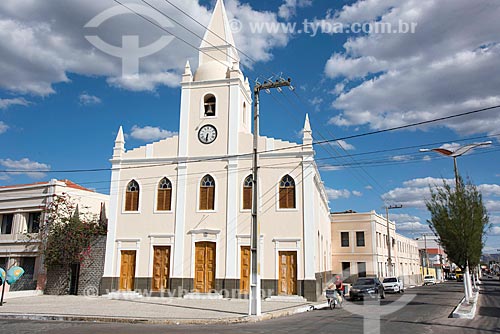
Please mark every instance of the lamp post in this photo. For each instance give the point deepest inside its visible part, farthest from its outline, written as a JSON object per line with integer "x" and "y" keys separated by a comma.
{"x": 455, "y": 154}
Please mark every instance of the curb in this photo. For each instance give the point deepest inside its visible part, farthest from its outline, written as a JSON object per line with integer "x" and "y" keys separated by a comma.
{"x": 469, "y": 315}
{"x": 159, "y": 321}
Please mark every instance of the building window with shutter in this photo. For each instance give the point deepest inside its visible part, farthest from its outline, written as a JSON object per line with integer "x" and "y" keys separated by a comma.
{"x": 207, "y": 193}
{"x": 209, "y": 104}
{"x": 164, "y": 199}
{"x": 344, "y": 239}
{"x": 287, "y": 193}
{"x": 360, "y": 239}
{"x": 247, "y": 193}
{"x": 132, "y": 196}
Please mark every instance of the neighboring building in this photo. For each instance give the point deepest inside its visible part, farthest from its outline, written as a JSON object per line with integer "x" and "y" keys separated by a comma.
{"x": 179, "y": 217}
{"x": 21, "y": 211}
{"x": 432, "y": 255}
{"x": 359, "y": 248}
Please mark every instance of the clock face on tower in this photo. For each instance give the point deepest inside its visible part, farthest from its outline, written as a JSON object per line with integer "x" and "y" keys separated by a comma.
{"x": 207, "y": 134}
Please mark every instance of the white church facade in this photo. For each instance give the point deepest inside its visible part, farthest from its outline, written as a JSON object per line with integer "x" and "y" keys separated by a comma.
{"x": 180, "y": 208}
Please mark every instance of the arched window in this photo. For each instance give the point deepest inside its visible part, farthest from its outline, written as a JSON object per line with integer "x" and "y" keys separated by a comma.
{"x": 164, "y": 195}
{"x": 287, "y": 193}
{"x": 247, "y": 193}
{"x": 209, "y": 104}
{"x": 207, "y": 193}
{"x": 132, "y": 196}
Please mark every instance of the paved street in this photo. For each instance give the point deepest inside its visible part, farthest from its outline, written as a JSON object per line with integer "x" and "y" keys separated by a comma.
{"x": 427, "y": 313}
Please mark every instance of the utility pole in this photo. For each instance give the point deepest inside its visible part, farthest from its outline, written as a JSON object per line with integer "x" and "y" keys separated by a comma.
{"x": 426, "y": 255}
{"x": 255, "y": 307}
{"x": 390, "y": 267}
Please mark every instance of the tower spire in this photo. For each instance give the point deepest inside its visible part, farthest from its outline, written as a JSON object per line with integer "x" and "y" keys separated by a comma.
{"x": 218, "y": 40}
{"x": 307, "y": 138}
{"x": 119, "y": 148}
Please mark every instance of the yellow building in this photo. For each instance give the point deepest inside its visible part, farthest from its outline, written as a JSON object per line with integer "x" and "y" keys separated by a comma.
{"x": 360, "y": 248}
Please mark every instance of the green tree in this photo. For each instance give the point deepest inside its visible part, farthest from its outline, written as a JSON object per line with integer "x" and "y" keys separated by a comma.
{"x": 68, "y": 233}
{"x": 460, "y": 219}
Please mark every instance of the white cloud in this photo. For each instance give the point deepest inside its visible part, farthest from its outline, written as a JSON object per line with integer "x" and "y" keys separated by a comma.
{"x": 145, "y": 82}
{"x": 495, "y": 220}
{"x": 408, "y": 223}
{"x": 426, "y": 182}
{"x": 289, "y": 8}
{"x": 334, "y": 194}
{"x": 316, "y": 100}
{"x": 18, "y": 101}
{"x": 451, "y": 146}
{"x": 411, "y": 68}
{"x": 339, "y": 65}
{"x": 357, "y": 193}
{"x": 369, "y": 187}
{"x": 427, "y": 158}
{"x": 414, "y": 192}
{"x": 43, "y": 41}
{"x": 87, "y": 99}
{"x": 489, "y": 189}
{"x": 492, "y": 206}
{"x": 495, "y": 230}
{"x": 3, "y": 127}
{"x": 25, "y": 166}
{"x": 345, "y": 145}
{"x": 329, "y": 168}
{"x": 150, "y": 133}
{"x": 413, "y": 227}
{"x": 401, "y": 158}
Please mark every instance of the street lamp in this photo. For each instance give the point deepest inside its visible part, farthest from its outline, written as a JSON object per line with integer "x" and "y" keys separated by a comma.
{"x": 455, "y": 154}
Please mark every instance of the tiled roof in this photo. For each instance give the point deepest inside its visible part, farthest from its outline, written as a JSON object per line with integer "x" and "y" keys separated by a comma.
{"x": 69, "y": 184}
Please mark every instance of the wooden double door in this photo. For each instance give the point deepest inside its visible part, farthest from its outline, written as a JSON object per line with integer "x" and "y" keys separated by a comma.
{"x": 127, "y": 270}
{"x": 204, "y": 277}
{"x": 287, "y": 283}
{"x": 161, "y": 267}
{"x": 245, "y": 270}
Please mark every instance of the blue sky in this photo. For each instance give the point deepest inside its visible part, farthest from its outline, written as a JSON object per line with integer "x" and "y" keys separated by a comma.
{"x": 62, "y": 100}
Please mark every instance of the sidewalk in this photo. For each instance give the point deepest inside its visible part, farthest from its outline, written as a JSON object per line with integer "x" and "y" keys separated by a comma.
{"x": 143, "y": 310}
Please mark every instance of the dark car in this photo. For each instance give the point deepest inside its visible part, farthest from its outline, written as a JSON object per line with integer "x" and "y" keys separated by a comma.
{"x": 367, "y": 287}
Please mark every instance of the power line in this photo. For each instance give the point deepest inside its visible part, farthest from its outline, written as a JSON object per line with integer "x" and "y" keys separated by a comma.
{"x": 248, "y": 155}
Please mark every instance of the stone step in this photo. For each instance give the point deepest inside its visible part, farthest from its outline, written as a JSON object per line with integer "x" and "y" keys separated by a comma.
{"x": 290, "y": 299}
{"x": 127, "y": 295}
{"x": 197, "y": 295}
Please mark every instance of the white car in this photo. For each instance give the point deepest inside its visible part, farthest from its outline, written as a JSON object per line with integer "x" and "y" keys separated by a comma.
{"x": 429, "y": 280}
{"x": 393, "y": 284}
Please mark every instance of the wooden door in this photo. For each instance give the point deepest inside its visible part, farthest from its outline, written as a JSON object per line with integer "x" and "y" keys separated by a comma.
{"x": 287, "y": 284}
{"x": 127, "y": 270}
{"x": 245, "y": 270}
{"x": 204, "y": 279}
{"x": 161, "y": 267}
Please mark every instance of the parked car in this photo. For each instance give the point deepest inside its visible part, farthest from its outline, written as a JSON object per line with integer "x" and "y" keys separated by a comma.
{"x": 393, "y": 284}
{"x": 367, "y": 287}
{"x": 428, "y": 279}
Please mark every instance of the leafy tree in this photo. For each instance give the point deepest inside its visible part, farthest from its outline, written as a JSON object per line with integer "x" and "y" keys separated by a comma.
{"x": 460, "y": 219}
{"x": 67, "y": 233}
